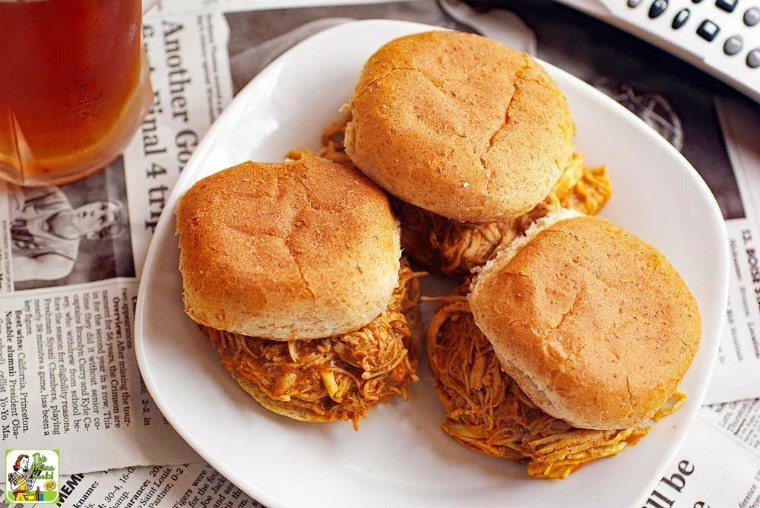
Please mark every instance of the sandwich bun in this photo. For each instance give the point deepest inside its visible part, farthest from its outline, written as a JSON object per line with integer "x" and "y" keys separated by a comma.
{"x": 594, "y": 325}
{"x": 301, "y": 249}
{"x": 459, "y": 125}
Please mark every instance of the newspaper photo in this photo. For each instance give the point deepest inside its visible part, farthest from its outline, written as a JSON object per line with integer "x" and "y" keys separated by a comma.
{"x": 69, "y": 380}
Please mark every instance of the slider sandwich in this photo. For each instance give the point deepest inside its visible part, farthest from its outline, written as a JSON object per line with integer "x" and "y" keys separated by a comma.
{"x": 294, "y": 271}
{"x": 472, "y": 138}
{"x": 566, "y": 346}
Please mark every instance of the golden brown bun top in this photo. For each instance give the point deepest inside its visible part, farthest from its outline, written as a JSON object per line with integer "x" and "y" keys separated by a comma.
{"x": 459, "y": 125}
{"x": 594, "y": 324}
{"x": 302, "y": 249}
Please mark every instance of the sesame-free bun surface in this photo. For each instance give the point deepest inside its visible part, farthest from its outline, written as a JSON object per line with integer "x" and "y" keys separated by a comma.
{"x": 301, "y": 249}
{"x": 595, "y": 325}
{"x": 459, "y": 125}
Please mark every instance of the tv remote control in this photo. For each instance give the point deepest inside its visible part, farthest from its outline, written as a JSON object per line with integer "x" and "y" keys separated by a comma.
{"x": 721, "y": 37}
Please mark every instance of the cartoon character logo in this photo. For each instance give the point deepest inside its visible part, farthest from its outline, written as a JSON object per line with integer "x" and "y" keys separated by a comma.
{"x": 20, "y": 480}
{"x": 32, "y": 476}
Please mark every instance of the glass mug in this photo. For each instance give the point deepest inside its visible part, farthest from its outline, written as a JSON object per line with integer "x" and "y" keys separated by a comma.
{"x": 74, "y": 86}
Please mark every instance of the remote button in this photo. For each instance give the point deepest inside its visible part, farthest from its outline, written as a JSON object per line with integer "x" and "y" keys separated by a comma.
{"x": 752, "y": 16}
{"x": 727, "y": 5}
{"x": 657, "y": 8}
{"x": 633, "y": 3}
{"x": 708, "y": 30}
{"x": 681, "y": 18}
{"x": 753, "y": 58}
{"x": 733, "y": 45}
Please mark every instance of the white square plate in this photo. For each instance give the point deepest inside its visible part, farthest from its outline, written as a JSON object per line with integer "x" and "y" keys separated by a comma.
{"x": 399, "y": 456}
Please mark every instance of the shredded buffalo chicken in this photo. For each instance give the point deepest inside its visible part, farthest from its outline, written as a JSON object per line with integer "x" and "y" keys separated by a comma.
{"x": 454, "y": 248}
{"x": 332, "y": 144}
{"x": 489, "y": 413}
{"x": 338, "y": 377}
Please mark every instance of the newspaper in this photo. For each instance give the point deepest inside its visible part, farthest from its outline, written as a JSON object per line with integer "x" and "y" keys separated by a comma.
{"x": 68, "y": 376}
{"x": 195, "y": 485}
{"x": 737, "y": 373}
{"x": 68, "y": 365}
